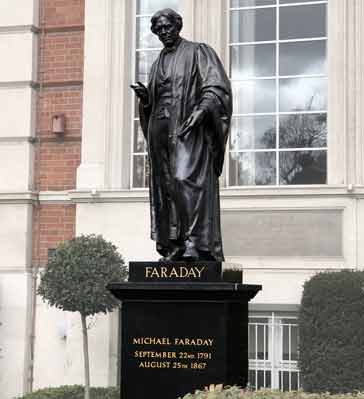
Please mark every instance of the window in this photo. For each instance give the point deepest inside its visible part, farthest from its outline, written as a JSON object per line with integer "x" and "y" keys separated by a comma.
{"x": 277, "y": 65}
{"x": 147, "y": 50}
{"x": 273, "y": 352}
{"x": 277, "y": 59}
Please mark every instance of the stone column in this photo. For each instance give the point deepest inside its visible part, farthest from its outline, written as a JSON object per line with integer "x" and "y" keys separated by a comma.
{"x": 106, "y": 107}
{"x": 346, "y": 92}
{"x": 210, "y": 25}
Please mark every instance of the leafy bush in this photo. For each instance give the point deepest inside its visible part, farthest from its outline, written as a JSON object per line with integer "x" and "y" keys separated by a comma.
{"x": 218, "y": 392}
{"x": 331, "y": 327}
{"x": 73, "y": 392}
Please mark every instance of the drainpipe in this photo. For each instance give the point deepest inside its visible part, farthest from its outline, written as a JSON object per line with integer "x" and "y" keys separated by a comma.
{"x": 28, "y": 377}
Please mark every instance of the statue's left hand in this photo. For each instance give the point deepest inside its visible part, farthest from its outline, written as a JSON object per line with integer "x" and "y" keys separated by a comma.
{"x": 191, "y": 122}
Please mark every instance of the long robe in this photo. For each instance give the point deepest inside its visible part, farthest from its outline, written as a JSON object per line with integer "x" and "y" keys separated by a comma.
{"x": 187, "y": 208}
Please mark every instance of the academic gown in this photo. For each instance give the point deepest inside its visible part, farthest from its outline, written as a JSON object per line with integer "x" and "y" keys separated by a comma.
{"x": 184, "y": 187}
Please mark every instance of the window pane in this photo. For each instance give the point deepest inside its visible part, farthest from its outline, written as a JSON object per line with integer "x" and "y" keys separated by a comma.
{"x": 286, "y": 354}
{"x": 253, "y": 25}
{"x": 140, "y": 171}
{"x": 252, "y": 61}
{"x": 254, "y": 96}
{"x": 152, "y": 6}
{"x": 145, "y": 38}
{"x": 258, "y": 341}
{"x": 256, "y": 379}
{"x": 303, "y": 94}
{"x": 262, "y": 342}
{"x": 263, "y": 379}
{"x": 302, "y": 131}
{"x": 302, "y": 167}
{"x": 253, "y": 132}
{"x": 296, "y": 1}
{"x": 288, "y": 380}
{"x": 304, "y": 21}
{"x": 249, "y": 3}
{"x": 252, "y": 168}
{"x": 144, "y": 60}
{"x": 294, "y": 343}
{"x": 139, "y": 142}
{"x": 302, "y": 58}
{"x": 251, "y": 343}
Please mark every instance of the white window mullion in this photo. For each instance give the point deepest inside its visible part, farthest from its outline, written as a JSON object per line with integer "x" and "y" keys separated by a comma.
{"x": 133, "y": 62}
{"x": 264, "y": 356}
{"x": 256, "y": 353}
{"x": 273, "y": 353}
{"x": 289, "y": 357}
{"x": 277, "y": 94}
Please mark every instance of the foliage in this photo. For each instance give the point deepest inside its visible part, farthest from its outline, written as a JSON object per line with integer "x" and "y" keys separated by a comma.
{"x": 217, "y": 392}
{"x": 73, "y": 392}
{"x": 300, "y": 131}
{"x": 331, "y": 327}
{"x": 77, "y": 274}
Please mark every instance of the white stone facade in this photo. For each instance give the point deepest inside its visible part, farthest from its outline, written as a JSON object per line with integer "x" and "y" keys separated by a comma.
{"x": 18, "y": 46}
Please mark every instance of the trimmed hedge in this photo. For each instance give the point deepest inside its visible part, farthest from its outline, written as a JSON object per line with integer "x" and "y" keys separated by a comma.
{"x": 331, "y": 328}
{"x": 237, "y": 393}
{"x": 73, "y": 392}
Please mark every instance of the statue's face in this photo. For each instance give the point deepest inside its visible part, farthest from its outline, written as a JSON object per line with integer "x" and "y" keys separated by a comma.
{"x": 166, "y": 31}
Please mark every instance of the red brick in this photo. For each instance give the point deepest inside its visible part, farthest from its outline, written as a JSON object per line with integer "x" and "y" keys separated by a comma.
{"x": 56, "y": 165}
{"x": 48, "y": 231}
{"x": 61, "y": 52}
{"x": 63, "y": 12}
{"x": 61, "y": 56}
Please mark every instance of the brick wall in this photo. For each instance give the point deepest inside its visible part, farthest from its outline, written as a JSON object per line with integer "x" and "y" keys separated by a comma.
{"x": 60, "y": 78}
{"x": 63, "y": 13}
{"x": 62, "y": 56}
{"x": 52, "y": 224}
{"x": 58, "y": 157}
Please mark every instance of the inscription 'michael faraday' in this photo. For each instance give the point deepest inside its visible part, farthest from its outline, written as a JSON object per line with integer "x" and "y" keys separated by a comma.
{"x": 173, "y": 341}
{"x": 175, "y": 271}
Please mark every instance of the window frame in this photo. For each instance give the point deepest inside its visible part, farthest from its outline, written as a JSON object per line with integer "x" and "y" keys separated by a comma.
{"x": 274, "y": 363}
{"x": 277, "y": 113}
{"x": 105, "y": 158}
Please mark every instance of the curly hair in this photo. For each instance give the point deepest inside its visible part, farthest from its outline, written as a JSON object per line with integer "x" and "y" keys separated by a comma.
{"x": 168, "y": 13}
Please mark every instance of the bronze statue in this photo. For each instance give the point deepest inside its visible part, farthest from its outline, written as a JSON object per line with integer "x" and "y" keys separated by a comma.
{"x": 185, "y": 114}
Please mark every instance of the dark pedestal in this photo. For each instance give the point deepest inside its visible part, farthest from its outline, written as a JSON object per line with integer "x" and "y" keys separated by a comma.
{"x": 178, "y": 336}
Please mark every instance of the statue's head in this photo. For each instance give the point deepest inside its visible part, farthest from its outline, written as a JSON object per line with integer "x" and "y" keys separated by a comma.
{"x": 167, "y": 24}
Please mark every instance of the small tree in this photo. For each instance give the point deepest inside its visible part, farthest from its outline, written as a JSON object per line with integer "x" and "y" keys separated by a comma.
{"x": 75, "y": 280}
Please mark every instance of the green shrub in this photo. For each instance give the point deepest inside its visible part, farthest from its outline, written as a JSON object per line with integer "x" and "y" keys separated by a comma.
{"x": 73, "y": 392}
{"x": 237, "y": 393}
{"x": 331, "y": 328}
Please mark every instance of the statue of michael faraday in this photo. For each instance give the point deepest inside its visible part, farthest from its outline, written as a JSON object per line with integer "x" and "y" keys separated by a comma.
{"x": 185, "y": 114}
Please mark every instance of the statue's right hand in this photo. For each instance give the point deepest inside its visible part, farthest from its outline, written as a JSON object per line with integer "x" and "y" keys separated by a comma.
{"x": 141, "y": 92}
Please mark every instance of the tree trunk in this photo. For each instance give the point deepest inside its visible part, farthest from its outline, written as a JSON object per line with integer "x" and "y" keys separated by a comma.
{"x": 85, "y": 357}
